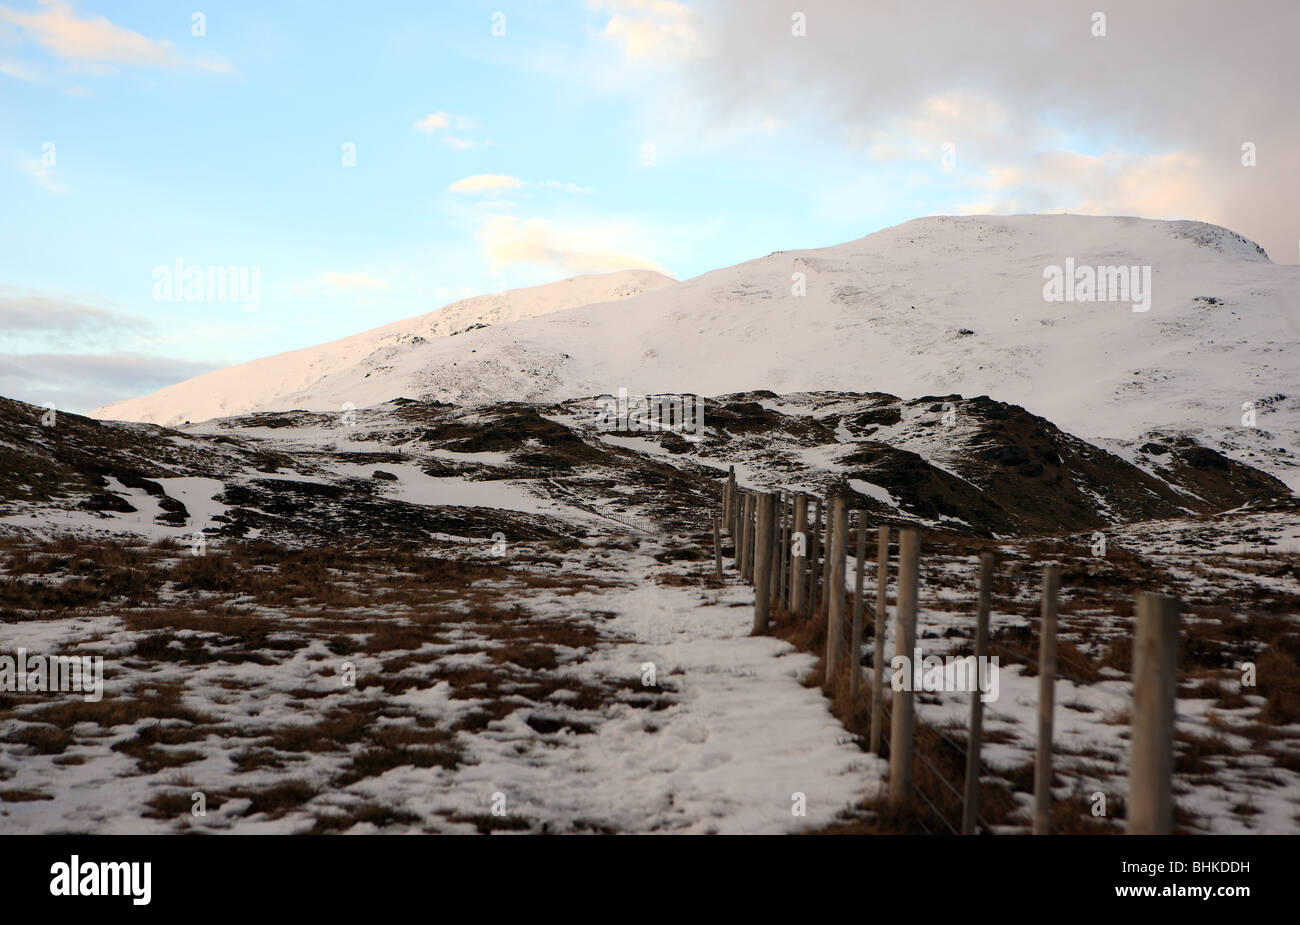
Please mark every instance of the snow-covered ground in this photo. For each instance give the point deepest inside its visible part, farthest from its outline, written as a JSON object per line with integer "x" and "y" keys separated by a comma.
{"x": 658, "y": 713}
{"x": 736, "y": 744}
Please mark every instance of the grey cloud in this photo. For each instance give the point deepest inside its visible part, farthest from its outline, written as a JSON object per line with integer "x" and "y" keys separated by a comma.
{"x": 81, "y": 382}
{"x": 1199, "y": 76}
{"x": 52, "y": 317}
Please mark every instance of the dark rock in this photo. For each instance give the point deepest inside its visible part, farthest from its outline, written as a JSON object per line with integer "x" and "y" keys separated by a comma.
{"x": 107, "y": 501}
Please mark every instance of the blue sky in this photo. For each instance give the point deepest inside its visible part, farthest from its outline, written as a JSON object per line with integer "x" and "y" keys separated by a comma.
{"x": 482, "y": 161}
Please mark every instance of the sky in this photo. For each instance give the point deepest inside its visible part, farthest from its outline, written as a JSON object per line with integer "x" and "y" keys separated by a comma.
{"x": 361, "y": 163}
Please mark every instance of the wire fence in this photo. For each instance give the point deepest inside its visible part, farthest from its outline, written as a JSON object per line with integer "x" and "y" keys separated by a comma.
{"x": 797, "y": 562}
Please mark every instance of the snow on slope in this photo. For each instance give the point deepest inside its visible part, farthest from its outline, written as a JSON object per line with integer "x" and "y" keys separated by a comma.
{"x": 264, "y": 383}
{"x": 933, "y": 306}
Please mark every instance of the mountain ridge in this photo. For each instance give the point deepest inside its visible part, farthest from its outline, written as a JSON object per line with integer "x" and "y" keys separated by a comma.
{"x": 973, "y": 466}
{"x": 933, "y": 306}
{"x": 305, "y": 366}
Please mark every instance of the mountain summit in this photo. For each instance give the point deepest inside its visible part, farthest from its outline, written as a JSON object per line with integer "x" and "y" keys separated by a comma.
{"x": 1163, "y": 326}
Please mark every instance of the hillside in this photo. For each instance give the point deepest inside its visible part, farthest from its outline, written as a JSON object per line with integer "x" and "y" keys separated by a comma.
{"x": 409, "y": 470}
{"x": 931, "y": 307}
{"x": 261, "y": 384}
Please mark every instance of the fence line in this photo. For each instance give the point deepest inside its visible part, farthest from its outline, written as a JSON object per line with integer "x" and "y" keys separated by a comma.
{"x": 804, "y": 575}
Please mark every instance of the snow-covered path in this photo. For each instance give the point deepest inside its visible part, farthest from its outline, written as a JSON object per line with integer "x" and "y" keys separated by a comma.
{"x": 743, "y": 738}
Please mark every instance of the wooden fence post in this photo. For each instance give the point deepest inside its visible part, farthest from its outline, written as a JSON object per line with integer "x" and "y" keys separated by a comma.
{"x": 828, "y": 537}
{"x": 763, "y": 563}
{"x": 735, "y": 530}
{"x": 902, "y": 714}
{"x": 717, "y": 545}
{"x": 751, "y": 548}
{"x": 782, "y": 547}
{"x": 728, "y": 494}
{"x": 1046, "y": 702}
{"x": 741, "y": 495}
{"x": 878, "y": 656}
{"x": 1155, "y": 689}
{"x": 748, "y": 526}
{"x": 835, "y": 590}
{"x": 855, "y": 637}
{"x": 742, "y": 534}
{"x": 798, "y": 567}
{"x": 773, "y": 548}
{"x": 734, "y": 514}
{"x": 971, "y": 802}
{"x": 814, "y": 579}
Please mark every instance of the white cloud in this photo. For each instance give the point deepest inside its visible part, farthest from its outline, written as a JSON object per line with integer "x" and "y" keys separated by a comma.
{"x": 354, "y": 281}
{"x": 97, "y": 43}
{"x": 651, "y": 30}
{"x": 485, "y": 183}
{"x": 567, "y": 187}
{"x": 432, "y": 122}
{"x": 495, "y": 182}
{"x": 42, "y": 176}
{"x": 1021, "y": 165}
{"x": 15, "y": 69}
{"x": 1153, "y": 186}
{"x": 440, "y": 122}
{"x": 509, "y": 241}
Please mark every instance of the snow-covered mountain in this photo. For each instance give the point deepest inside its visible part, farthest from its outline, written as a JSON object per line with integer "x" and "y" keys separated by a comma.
{"x": 934, "y": 306}
{"x": 268, "y": 382}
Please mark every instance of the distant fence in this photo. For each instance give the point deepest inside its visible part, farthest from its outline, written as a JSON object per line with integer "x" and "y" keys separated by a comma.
{"x": 800, "y": 568}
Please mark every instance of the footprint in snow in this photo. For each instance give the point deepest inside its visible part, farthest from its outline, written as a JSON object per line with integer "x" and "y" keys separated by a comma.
{"x": 693, "y": 733}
